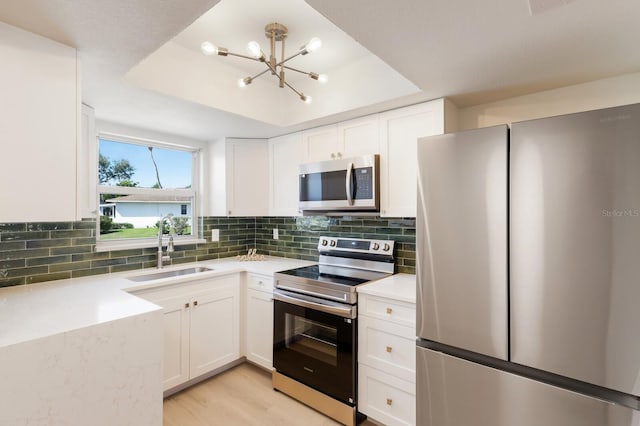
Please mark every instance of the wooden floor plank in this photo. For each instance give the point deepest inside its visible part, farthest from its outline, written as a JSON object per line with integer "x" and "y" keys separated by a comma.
{"x": 240, "y": 396}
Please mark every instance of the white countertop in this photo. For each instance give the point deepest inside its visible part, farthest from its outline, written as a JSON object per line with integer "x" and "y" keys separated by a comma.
{"x": 32, "y": 311}
{"x": 397, "y": 287}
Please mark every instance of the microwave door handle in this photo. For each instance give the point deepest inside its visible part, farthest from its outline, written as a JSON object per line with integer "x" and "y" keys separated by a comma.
{"x": 348, "y": 184}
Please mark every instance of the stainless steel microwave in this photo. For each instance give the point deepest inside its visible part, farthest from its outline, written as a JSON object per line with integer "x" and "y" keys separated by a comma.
{"x": 346, "y": 184}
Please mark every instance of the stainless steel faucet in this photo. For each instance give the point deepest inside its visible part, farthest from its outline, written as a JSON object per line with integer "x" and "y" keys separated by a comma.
{"x": 161, "y": 256}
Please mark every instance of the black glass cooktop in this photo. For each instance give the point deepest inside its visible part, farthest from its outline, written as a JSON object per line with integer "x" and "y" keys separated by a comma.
{"x": 319, "y": 273}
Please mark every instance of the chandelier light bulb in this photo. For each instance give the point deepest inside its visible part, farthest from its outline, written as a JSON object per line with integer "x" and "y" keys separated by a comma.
{"x": 208, "y": 48}
{"x": 322, "y": 78}
{"x": 243, "y": 82}
{"x": 305, "y": 98}
{"x": 253, "y": 47}
{"x": 314, "y": 44}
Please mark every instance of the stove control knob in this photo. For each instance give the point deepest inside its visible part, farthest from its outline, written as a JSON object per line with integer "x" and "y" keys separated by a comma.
{"x": 375, "y": 246}
{"x": 324, "y": 242}
{"x": 386, "y": 247}
{"x": 333, "y": 243}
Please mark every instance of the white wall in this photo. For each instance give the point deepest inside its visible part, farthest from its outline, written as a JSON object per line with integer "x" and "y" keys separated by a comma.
{"x": 616, "y": 91}
{"x": 39, "y": 110}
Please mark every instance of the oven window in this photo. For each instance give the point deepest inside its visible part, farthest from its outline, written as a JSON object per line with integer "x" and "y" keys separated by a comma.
{"x": 312, "y": 339}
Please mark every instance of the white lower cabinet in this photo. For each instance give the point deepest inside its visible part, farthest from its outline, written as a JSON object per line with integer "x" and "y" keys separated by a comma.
{"x": 214, "y": 329}
{"x": 259, "y": 320}
{"x": 386, "y": 398}
{"x": 201, "y": 326}
{"x": 386, "y": 360}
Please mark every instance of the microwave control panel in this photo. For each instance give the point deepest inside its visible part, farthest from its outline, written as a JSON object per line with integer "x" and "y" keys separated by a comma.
{"x": 364, "y": 183}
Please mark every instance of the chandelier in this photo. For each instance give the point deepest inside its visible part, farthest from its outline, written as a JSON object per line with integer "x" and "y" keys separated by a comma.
{"x": 276, "y": 33}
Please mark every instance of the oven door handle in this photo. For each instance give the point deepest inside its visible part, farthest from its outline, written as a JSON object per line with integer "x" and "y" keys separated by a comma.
{"x": 310, "y": 293}
{"x": 345, "y": 312}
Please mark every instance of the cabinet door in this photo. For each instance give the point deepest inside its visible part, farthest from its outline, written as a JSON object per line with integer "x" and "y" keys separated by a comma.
{"x": 260, "y": 328}
{"x": 215, "y": 330}
{"x": 321, "y": 143}
{"x": 247, "y": 171}
{"x": 399, "y": 133}
{"x": 176, "y": 338}
{"x": 359, "y": 137}
{"x": 386, "y": 398}
{"x": 285, "y": 154}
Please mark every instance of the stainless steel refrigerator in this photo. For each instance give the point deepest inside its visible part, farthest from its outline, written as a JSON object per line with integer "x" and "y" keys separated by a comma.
{"x": 528, "y": 269}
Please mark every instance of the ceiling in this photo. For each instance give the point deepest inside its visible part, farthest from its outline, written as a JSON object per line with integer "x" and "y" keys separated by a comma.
{"x": 179, "y": 68}
{"x": 472, "y": 52}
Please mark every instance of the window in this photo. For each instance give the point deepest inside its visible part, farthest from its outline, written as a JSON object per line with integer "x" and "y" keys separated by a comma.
{"x": 140, "y": 182}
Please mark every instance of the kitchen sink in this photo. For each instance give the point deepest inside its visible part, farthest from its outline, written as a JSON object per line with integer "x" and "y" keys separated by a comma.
{"x": 169, "y": 274}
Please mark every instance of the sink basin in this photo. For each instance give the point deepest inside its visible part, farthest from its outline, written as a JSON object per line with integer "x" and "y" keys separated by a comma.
{"x": 169, "y": 274}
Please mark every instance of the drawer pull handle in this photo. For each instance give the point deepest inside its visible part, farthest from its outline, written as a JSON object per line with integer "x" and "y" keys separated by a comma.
{"x": 195, "y": 303}
{"x": 389, "y": 401}
{"x": 389, "y": 349}
{"x": 389, "y": 310}
{"x": 186, "y": 305}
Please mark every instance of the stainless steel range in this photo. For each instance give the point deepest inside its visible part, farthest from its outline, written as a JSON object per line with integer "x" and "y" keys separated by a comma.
{"x": 315, "y": 323}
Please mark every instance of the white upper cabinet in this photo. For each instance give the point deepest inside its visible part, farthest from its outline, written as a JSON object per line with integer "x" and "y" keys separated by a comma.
{"x": 241, "y": 182}
{"x": 346, "y": 139}
{"x": 399, "y": 133}
{"x": 321, "y": 143}
{"x": 40, "y": 104}
{"x": 359, "y": 136}
{"x": 247, "y": 188}
{"x": 285, "y": 154}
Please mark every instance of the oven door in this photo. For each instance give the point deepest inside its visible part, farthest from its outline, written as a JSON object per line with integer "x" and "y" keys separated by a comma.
{"x": 314, "y": 345}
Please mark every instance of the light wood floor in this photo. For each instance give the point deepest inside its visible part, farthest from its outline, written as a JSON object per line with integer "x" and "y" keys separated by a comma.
{"x": 240, "y": 396}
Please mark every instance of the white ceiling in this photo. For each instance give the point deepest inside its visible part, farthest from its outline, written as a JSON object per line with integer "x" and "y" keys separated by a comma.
{"x": 473, "y": 52}
{"x": 180, "y": 69}
{"x": 478, "y": 51}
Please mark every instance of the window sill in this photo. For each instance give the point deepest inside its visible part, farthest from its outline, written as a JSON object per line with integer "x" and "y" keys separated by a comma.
{"x": 102, "y": 246}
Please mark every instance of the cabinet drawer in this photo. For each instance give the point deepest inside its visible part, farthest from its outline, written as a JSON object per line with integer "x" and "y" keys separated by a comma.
{"x": 260, "y": 282}
{"x": 388, "y": 347}
{"x": 386, "y": 398}
{"x": 387, "y": 309}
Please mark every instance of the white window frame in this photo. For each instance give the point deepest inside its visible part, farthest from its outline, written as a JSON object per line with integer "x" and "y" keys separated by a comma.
{"x": 194, "y": 193}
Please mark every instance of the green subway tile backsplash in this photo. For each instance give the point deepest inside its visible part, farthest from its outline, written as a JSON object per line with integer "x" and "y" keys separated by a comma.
{"x": 46, "y": 251}
{"x": 298, "y": 236}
